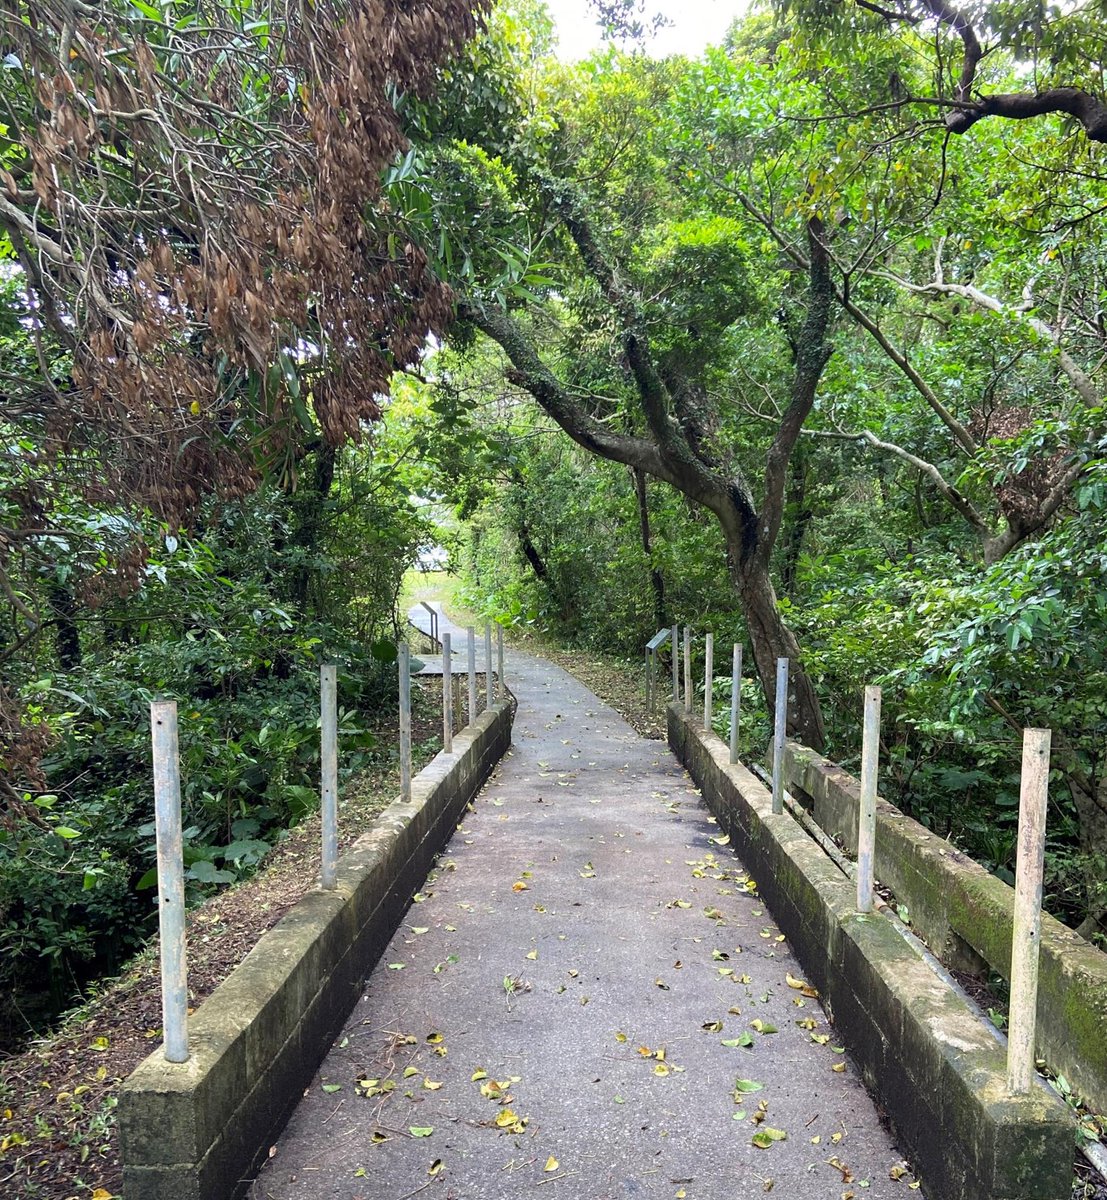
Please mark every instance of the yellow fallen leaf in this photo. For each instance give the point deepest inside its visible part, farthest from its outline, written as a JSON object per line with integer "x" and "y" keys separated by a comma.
{"x": 661, "y": 1069}
{"x": 519, "y": 886}
{"x": 533, "y": 955}
{"x": 620, "y": 1036}
{"x": 431, "y": 1085}
{"x": 793, "y": 982}
{"x": 435, "y": 1168}
{"x": 551, "y": 1164}
{"x": 101, "y": 1194}
{"x": 839, "y": 1067}
{"x": 479, "y": 1073}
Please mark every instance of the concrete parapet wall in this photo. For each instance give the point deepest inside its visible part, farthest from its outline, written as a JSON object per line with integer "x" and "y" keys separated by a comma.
{"x": 937, "y": 1070}
{"x": 196, "y": 1130}
{"x": 965, "y": 914}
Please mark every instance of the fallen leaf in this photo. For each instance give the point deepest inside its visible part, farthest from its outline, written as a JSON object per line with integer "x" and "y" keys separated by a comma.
{"x": 839, "y": 1067}
{"x": 661, "y": 1069}
{"x": 763, "y": 1026}
{"x": 620, "y": 1036}
{"x": 435, "y": 1168}
{"x": 332, "y": 1087}
{"x": 551, "y": 1164}
{"x": 533, "y": 955}
{"x": 897, "y": 1171}
{"x": 742, "y": 1086}
{"x": 378, "y": 1137}
{"x": 661, "y": 984}
{"x": 713, "y": 1026}
{"x": 766, "y": 1135}
{"x": 419, "y": 928}
{"x": 431, "y": 1085}
{"x": 420, "y": 1130}
{"x": 409, "y": 1071}
{"x": 519, "y": 886}
{"x": 743, "y": 1040}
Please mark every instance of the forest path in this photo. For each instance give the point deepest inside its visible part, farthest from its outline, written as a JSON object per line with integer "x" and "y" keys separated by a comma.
{"x": 585, "y": 943}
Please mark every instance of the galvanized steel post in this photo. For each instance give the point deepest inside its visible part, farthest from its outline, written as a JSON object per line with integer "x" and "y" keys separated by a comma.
{"x": 472, "y": 673}
{"x": 708, "y": 679}
{"x": 735, "y": 700}
{"x": 447, "y": 697}
{"x": 687, "y": 669}
{"x": 779, "y": 733}
{"x": 500, "y": 687}
{"x": 866, "y": 817}
{"x": 171, "y": 907}
{"x": 328, "y": 728}
{"x": 405, "y": 721}
{"x": 488, "y": 664}
{"x": 675, "y": 631}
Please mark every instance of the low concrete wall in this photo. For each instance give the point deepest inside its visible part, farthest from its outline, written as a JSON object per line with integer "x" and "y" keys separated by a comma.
{"x": 196, "y": 1130}
{"x": 964, "y": 913}
{"x": 939, "y": 1074}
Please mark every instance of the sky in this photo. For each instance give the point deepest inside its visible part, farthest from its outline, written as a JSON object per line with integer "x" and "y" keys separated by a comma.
{"x": 695, "y": 24}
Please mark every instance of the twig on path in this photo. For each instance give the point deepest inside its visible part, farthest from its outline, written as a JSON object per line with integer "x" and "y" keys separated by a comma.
{"x": 335, "y": 1113}
{"x": 558, "y": 1178}
{"x": 421, "y": 1188}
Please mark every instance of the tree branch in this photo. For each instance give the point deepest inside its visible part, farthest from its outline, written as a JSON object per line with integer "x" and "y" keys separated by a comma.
{"x": 1080, "y": 380}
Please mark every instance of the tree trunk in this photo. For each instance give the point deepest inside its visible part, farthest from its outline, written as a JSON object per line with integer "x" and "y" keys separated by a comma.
{"x": 771, "y": 639}
{"x": 797, "y": 516}
{"x": 657, "y": 580}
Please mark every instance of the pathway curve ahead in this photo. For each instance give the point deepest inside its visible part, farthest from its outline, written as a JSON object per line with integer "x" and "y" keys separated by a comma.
{"x": 586, "y": 949}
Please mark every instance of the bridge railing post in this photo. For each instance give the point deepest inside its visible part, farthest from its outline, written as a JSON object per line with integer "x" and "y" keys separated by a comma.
{"x": 472, "y": 673}
{"x": 405, "y": 721}
{"x": 487, "y": 665}
{"x": 866, "y": 815}
{"x": 1027, "y": 927}
{"x": 708, "y": 680}
{"x": 735, "y": 700}
{"x": 328, "y": 774}
{"x": 447, "y": 696}
{"x": 780, "y": 730}
{"x": 675, "y": 633}
{"x": 687, "y": 669}
{"x": 171, "y": 896}
{"x": 501, "y": 689}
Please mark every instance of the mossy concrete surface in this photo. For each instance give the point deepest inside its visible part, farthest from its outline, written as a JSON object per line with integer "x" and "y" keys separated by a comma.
{"x": 196, "y": 1130}
{"x": 937, "y": 1070}
{"x": 965, "y": 914}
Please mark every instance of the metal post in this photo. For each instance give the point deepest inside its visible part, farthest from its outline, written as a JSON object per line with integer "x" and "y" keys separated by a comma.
{"x": 687, "y": 669}
{"x": 456, "y": 711}
{"x": 500, "y": 689}
{"x": 405, "y": 722}
{"x": 447, "y": 697}
{"x": 1026, "y": 933}
{"x": 171, "y": 909}
{"x": 675, "y": 633}
{"x": 735, "y": 700}
{"x": 649, "y": 681}
{"x": 328, "y": 723}
{"x": 779, "y": 733}
{"x": 472, "y": 674}
{"x": 708, "y": 674}
{"x": 488, "y": 664}
{"x": 866, "y": 817}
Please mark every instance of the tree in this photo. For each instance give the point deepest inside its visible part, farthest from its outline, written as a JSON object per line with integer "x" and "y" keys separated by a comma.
{"x": 1056, "y": 50}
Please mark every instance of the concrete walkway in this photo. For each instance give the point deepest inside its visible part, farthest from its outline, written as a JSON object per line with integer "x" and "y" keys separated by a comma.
{"x": 553, "y": 1018}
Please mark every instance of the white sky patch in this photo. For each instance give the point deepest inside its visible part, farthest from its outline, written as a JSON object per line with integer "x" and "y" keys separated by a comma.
{"x": 695, "y": 24}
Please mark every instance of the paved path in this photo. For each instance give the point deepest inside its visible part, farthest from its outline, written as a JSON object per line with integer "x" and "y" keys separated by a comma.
{"x": 586, "y": 949}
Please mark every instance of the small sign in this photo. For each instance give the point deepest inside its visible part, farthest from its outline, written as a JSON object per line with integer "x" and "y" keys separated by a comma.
{"x": 658, "y": 640}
